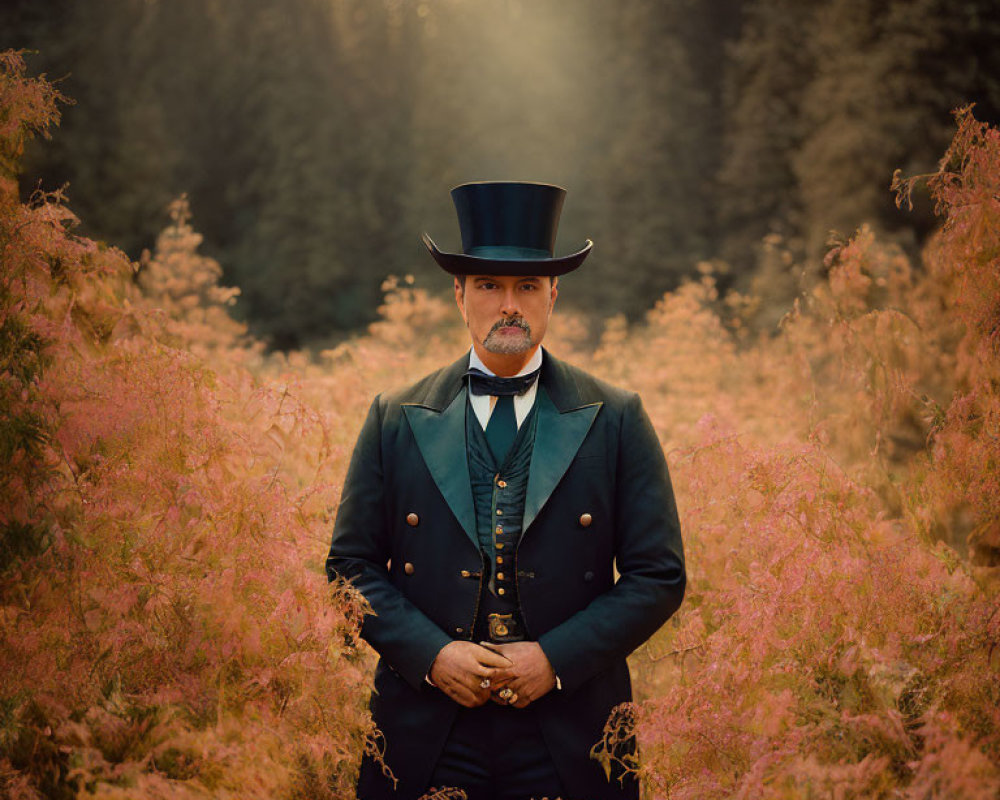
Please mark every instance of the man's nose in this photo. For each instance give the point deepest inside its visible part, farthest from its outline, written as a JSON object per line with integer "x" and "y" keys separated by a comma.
{"x": 509, "y": 304}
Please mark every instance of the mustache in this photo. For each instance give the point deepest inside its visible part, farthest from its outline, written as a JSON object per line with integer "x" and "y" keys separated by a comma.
{"x": 513, "y": 322}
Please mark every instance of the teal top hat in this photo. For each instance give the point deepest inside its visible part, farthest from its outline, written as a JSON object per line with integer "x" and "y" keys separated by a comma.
{"x": 508, "y": 228}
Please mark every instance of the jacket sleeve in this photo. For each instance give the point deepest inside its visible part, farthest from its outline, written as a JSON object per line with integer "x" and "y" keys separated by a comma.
{"x": 359, "y": 552}
{"x": 649, "y": 558}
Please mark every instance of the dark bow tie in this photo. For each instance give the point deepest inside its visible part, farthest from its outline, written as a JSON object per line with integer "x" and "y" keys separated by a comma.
{"x": 481, "y": 383}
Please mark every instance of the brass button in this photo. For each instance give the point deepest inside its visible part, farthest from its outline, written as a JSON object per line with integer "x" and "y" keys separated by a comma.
{"x": 585, "y": 520}
{"x": 499, "y": 559}
{"x": 499, "y": 545}
{"x": 499, "y": 512}
{"x": 465, "y": 573}
{"x": 408, "y": 568}
{"x": 460, "y": 630}
{"x": 501, "y": 629}
{"x": 499, "y": 576}
{"x": 412, "y": 519}
{"x": 499, "y": 529}
{"x": 501, "y": 591}
{"x": 502, "y": 484}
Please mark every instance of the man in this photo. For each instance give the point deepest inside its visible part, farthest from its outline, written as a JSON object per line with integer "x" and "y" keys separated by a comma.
{"x": 485, "y": 511}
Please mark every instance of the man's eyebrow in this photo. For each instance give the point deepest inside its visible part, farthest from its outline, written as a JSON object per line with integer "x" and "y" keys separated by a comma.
{"x": 495, "y": 278}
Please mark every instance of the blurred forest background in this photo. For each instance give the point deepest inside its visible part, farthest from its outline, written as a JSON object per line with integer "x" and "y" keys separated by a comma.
{"x": 317, "y": 139}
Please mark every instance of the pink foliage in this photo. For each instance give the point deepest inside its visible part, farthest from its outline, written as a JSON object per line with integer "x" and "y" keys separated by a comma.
{"x": 170, "y": 621}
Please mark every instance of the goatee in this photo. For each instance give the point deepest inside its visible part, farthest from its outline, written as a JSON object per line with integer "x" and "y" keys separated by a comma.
{"x": 505, "y": 343}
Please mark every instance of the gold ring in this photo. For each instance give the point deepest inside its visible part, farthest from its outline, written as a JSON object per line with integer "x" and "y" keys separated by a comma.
{"x": 506, "y": 693}
{"x": 512, "y": 699}
{"x": 484, "y": 683}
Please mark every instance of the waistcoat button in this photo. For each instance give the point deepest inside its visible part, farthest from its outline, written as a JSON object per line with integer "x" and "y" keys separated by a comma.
{"x": 585, "y": 520}
{"x": 412, "y": 519}
{"x": 408, "y": 568}
{"x": 588, "y": 576}
{"x": 499, "y": 576}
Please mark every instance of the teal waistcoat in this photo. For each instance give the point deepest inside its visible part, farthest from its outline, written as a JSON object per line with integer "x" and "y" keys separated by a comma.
{"x": 498, "y": 494}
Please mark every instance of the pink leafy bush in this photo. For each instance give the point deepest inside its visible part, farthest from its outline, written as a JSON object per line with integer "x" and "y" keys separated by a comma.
{"x": 166, "y": 625}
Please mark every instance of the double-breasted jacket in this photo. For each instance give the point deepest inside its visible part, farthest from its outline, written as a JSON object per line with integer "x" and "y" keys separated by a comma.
{"x": 599, "y": 501}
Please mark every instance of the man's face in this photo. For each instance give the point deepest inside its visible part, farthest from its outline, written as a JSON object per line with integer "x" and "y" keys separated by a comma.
{"x": 506, "y": 315}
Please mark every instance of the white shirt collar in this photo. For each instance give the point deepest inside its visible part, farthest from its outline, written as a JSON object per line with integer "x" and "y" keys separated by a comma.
{"x": 483, "y": 404}
{"x": 534, "y": 363}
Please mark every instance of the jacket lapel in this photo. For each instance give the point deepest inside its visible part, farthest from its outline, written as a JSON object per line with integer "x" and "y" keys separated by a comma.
{"x": 557, "y": 439}
{"x": 438, "y": 425}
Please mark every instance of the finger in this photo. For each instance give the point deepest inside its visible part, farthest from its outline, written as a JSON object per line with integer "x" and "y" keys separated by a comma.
{"x": 501, "y": 680}
{"x": 492, "y": 658}
{"x": 480, "y": 698}
{"x": 503, "y": 694}
{"x": 460, "y": 691}
{"x": 520, "y": 698}
{"x": 483, "y": 672}
{"x": 474, "y": 686}
{"x": 463, "y": 696}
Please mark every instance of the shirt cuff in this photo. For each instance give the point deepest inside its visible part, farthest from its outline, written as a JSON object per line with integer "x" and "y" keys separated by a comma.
{"x": 558, "y": 684}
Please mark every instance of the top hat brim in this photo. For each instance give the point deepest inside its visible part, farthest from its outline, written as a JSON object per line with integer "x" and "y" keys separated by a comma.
{"x": 464, "y": 264}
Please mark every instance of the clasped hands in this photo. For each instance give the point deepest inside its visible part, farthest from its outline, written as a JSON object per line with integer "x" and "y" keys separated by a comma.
{"x": 513, "y": 674}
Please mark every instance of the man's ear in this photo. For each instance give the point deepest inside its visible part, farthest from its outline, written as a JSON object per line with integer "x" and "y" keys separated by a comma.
{"x": 553, "y": 291}
{"x": 460, "y": 297}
